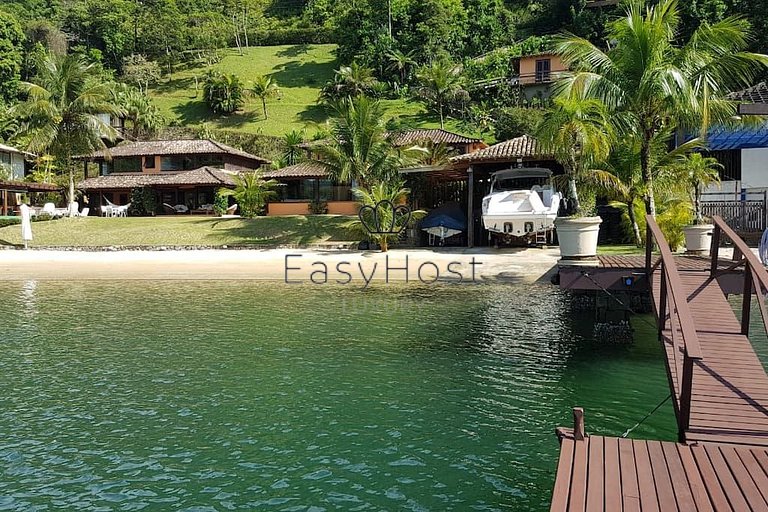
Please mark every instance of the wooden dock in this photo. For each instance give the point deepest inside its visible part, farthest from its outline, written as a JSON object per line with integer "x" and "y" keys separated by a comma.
{"x": 718, "y": 385}
{"x": 611, "y": 474}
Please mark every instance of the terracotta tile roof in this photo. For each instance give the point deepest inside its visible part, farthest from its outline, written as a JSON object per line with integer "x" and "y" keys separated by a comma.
{"x": 204, "y": 176}
{"x": 300, "y": 170}
{"x": 520, "y": 147}
{"x": 175, "y": 147}
{"x": 755, "y": 94}
{"x": 28, "y": 186}
{"x": 410, "y": 137}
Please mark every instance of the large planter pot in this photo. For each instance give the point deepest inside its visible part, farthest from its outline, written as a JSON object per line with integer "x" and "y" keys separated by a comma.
{"x": 578, "y": 237}
{"x": 698, "y": 238}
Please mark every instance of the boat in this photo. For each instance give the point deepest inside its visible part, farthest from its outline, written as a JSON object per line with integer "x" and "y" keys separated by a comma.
{"x": 444, "y": 222}
{"x": 522, "y": 204}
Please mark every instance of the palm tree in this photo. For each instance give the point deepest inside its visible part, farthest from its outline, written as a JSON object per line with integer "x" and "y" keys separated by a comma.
{"x": 697, "y": 172}
{"x": 223, "y": 93}
{"x": 64, "y": 109}
{"x": 359, "y": 149}
{"x": 578, "y": 134}
{"x": 651, "y": 84}
{"x": 251, "y": 192}
{"x": 382, "y": 214}
{"x": 349, "y": 82}
{"x": 292, "y": 153}
{"x": 440, "y": 84}
{"x": 264, "y": 87}
{"x": 400, "y": 63}
{"x": 624, "y": 163}
{"x": 429, "y": 153}
{"x": 145, "y": 119}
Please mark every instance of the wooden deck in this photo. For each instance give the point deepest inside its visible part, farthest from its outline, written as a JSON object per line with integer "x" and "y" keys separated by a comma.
{"x": 729, "y": 400}
{"x": 718, "y": 385}
{"x": 609, "y": 474}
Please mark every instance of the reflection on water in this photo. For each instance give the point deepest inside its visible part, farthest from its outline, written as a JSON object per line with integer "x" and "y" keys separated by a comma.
{"x": 224, "y": 396}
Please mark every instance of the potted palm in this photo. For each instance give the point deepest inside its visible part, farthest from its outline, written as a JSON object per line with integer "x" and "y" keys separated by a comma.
{"x": 700, "y": 172}
{"x": 578, "y": 134}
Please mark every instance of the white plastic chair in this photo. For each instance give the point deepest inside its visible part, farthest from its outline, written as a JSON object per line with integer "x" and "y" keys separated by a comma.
{"x": 85, "y": 212}
{"x": 74, "y": 208}
{"x": 50, "y": 209}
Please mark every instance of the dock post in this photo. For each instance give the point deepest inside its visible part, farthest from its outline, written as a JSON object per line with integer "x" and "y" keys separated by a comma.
{"x": 746, "y": 303}
{"x": 714, "y": 251}
{"x": 578, "y": 423}
{"x": 470, "y": 207}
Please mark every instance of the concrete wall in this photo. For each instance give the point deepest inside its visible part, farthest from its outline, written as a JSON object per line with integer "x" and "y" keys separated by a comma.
{"x": 302, "y": 208}
{"x": 754, "y": 168}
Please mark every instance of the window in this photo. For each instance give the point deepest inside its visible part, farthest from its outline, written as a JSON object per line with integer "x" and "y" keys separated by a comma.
{"x": 126, "y": 164}
{"x": 543, "y": 70}
{"x": 149, "y": 162}
{"x": 172, "y": 163}
{"x": 5, "y": 158}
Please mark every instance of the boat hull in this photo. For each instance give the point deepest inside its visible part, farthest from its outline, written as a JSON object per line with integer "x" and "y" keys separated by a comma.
{"x": 519, "y": 225}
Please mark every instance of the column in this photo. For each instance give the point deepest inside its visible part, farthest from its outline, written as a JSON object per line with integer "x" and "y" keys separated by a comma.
{"x": 470, "y": 207}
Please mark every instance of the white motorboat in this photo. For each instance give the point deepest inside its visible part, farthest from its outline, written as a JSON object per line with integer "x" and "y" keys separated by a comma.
{"x": 522, "y": 203}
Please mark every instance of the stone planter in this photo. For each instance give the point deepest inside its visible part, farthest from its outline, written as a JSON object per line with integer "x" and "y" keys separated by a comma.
{"x": 698, "y": 238}
{"x": 578, "y": 238}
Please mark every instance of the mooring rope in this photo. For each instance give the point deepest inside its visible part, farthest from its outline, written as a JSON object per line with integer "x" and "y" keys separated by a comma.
{"x": 625, "y": 434}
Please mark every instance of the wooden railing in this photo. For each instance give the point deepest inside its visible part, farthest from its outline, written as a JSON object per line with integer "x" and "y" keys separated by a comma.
{"x": 755, "y": 275}
{"x": 673, "y": 303}
{"x": 743, "y": 216}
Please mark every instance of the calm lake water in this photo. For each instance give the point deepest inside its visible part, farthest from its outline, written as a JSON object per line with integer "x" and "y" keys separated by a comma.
{"x": 229, "y": 396}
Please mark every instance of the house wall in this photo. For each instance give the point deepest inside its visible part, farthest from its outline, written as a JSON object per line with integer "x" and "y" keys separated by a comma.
{"x": 302, "y": 208}
{"x": 754, "y": 168}
{"x": 150, "y": 170}
{"x": 235, "y": 163}
{"x": 528, "y": 67}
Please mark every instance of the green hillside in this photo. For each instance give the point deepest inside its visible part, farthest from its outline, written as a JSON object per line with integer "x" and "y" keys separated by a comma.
{"x": 300, "y": 71}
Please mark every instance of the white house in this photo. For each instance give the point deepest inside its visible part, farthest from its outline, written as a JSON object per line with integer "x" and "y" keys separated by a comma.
{"x": 13, "y": 160}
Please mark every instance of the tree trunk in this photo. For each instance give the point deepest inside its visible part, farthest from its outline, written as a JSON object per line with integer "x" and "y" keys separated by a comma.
{"x": 71, "y": 191}
{"x": 573, "y": 193}
{"x": 635, "y": 226}
{"x": 442, "y": 123}
{"x": 237, "y": 34}
{"x": 698, "y": 217}
{"x": 245, "y": 25}
{"x": 264, "y": 106}
{"x": 647, "y": 175}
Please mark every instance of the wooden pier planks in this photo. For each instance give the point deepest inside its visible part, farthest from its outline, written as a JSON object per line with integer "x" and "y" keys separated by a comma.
{"x": 599, "y": 474}
{"x": 729, "y": 402}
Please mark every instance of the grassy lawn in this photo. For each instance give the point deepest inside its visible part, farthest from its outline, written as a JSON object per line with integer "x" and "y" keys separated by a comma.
{"x": 614, "y": 250}
{"x": 182, "y": 231}
{"x": 300, "y": 71}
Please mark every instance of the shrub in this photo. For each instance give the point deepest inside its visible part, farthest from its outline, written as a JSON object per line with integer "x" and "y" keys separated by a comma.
{"x": 315, "y": 35}
{"x": 224, "y": 94}
{"x": 220, "y": 203}
{"x": 318, "y": 208}
{"x": 513, "y": 122}
{"x": 144, "y": 201}
{"x": 9, "y": 222}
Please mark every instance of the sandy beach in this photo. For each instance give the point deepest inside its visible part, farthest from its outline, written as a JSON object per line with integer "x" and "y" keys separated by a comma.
{"x": 293, "y": 265}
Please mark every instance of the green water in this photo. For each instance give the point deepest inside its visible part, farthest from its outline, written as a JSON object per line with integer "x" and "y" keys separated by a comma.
{"x": 229, "y": 396}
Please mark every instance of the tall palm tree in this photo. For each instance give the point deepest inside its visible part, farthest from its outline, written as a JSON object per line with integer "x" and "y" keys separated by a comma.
{"x": 400, "y": 63}
{"x": 359, "y": 149}
{"x": 440, "y": 84}
{"x": 292, "y": 140}
{"x": 651, "y": 83}
{"x": 65, "y": 108}
{"x": 577, "y": 132}
{"x": 265, "y": 87}
{"x": 624, "y": 163}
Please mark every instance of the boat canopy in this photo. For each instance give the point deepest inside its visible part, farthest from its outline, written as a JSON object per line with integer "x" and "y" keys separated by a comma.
{"x": 528, "y": 172}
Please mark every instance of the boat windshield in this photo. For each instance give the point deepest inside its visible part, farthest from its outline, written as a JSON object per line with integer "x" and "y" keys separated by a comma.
{"x": 519, "y": 183}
